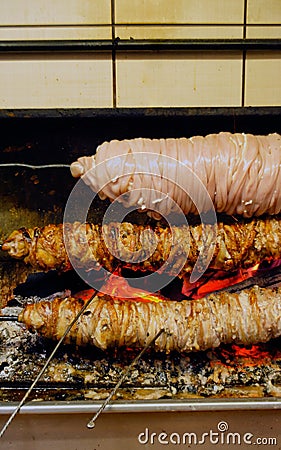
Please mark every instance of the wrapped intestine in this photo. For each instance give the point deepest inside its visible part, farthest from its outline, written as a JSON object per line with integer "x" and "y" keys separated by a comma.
{"x": 241, "y": 173}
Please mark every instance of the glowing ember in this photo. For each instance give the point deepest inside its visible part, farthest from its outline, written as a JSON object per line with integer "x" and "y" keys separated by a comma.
{"x": 211, "y": 281}
{"x": 215, "y": 280}
{"x": 254, "y": 352}
{"x": 247, "y": 356}
{"x": 85, "y": 295}
{"x": 120, "y": 289}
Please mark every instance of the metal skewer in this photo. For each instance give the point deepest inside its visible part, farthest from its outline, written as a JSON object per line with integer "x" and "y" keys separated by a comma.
{"x": 8, "y": 318}
{"x": 30, "y": 166}
{"x": 91, "y": 423}
{"x": 17, "y": 409}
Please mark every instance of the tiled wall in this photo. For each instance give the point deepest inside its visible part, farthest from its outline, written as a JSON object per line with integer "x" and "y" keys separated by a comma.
{"x": 140, "y": 79}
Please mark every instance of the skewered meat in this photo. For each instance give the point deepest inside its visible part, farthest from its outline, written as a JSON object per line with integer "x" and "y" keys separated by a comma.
{"x": 249, "y": 317}
{"x": 236, "y": 245}
{"x": 241, "y": 172}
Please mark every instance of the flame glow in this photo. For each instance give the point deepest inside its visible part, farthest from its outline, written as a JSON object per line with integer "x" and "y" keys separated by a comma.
{"x": 120, "y": 289}
{"x": 246, "y": 356}
{"x": 211, "y": 281}
{"x": 216, "y": 280}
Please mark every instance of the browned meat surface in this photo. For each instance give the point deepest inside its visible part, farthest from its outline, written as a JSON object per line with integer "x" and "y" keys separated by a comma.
{"x": 249, "y": 317}
{"x": 237, "y": 245}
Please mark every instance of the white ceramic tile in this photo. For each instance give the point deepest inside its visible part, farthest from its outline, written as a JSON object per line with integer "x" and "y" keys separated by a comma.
{"x": 179, "y": 32}
{"x": 55, "y": 81}
{"x": 269, "y": 32}
{"x": 27, "y": 12}
{"x": 49, "y": 33}
{"x": 263, "y": 86}
{"x": 179, "y": 11}
{"x": 264, "y": 11}
{"x": 179, "y": 79}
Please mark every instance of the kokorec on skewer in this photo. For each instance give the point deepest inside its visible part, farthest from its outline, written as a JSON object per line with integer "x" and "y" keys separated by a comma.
{"x": 241, "y": 244}
{"x": 241, "y": 172}
{"x": 248, "y": 317}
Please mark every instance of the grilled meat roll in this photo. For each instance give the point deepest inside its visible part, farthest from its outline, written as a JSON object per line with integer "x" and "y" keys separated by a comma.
{"x": 236, "y": 245}
{"x": 248, "y": 317}
{"x": 241, "y": 172}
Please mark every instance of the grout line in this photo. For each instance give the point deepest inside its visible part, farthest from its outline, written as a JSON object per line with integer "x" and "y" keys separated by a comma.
{"x": 243, "y": 78}
{"x": 113, "y": 36}
{"x": 244, "y": 54}
{"x": 190, "y": 24}
{"x": 56, "y": 25}
{"x": 245, "y": 19}
{"x": 137, "y": 24}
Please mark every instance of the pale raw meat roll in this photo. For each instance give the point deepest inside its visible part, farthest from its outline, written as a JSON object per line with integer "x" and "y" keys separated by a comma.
{"x": 240, "y": 172}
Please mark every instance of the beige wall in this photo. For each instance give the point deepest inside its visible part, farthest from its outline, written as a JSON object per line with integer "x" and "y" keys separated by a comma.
{"x": 142, "y": 79}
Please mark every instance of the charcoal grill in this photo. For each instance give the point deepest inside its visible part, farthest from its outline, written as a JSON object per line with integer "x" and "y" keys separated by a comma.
{"x": 209, "y": 387}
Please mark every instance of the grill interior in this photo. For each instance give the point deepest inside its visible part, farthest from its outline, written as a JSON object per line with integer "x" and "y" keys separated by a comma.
{"x": 37, "y": 197}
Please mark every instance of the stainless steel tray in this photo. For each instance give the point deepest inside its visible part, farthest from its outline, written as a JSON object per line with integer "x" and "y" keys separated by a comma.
{"x": 63, "y": 425}
{"x": 82, "y": 407}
